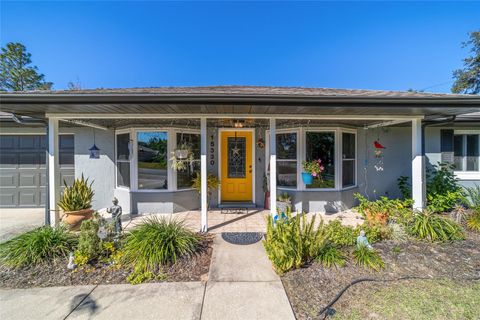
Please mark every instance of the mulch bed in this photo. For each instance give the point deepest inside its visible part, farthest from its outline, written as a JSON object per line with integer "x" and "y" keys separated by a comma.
{"x": 310, "y": 289}
{"x": 56, "y": 273}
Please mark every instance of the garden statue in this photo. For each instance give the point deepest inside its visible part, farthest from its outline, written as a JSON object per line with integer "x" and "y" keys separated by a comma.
{"x": 71, "y": 265}
{"x": 363, "y": 241}
{"x": 116, "y": 212}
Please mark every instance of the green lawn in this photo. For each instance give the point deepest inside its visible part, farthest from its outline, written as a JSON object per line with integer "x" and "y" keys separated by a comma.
{"x": 415, "y": 299}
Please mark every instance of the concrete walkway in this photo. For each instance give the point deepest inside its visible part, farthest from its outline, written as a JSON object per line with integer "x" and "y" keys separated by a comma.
{"x": 14, "y": 221}
{"x": 241, "y": 285}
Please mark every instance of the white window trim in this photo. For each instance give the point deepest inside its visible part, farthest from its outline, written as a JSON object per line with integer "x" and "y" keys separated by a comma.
{"x": 171, "y": 145}
{"x": 267, "y": 152}
{"x": 117, "y": 132}
{"x": 467, "y": 175}
{"x": 301, "y": 150}
{"x": 354, "y": 132}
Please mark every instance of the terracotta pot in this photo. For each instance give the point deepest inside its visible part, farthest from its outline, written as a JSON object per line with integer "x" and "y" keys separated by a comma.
{"x": 74, "y": 218}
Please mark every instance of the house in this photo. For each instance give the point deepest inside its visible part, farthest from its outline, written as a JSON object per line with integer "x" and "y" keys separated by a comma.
{"x": 249, "y": 137}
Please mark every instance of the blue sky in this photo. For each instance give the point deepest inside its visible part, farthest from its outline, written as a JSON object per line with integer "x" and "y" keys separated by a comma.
{"x": 370, "y": 45}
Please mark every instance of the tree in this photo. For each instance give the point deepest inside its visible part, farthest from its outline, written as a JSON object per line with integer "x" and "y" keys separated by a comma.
{"x": 467, "y": 80}
{"x": 16, "y": 72}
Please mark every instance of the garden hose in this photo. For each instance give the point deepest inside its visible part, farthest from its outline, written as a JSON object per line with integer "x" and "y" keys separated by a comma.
{"x": 354, "y": 282}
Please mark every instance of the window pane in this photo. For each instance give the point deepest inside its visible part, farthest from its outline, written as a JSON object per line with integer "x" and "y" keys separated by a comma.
{"x": 123, "y": 174}
{"x": 321, "y": 145}
{"x": 287, "y": 173}
{"x": 472, "y": 152}
{"x": 122, "y": 146}
{"x": 287, "y": 146}
{"x": 236, "y": 157}
{"x": 348, "y": 146}
{"x": 458, "y": 152}
{"x": 348, "y": 170}
{"x": 152, "y": 160}
{"x": 185, "y": 177}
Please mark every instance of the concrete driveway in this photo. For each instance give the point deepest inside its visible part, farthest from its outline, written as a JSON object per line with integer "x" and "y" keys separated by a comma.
{"x": 18, "y": 220}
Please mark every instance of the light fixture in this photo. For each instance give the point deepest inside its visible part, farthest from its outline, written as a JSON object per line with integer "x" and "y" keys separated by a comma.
{"x": 94, "y": 151}
{"x": 238, "y": 124}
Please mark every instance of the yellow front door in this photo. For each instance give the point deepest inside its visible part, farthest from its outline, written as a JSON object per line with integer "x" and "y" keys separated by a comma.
{"x": 236, "y": 165}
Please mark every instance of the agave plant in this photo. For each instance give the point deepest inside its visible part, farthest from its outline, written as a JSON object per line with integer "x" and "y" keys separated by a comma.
{"x": 78, "y": 196}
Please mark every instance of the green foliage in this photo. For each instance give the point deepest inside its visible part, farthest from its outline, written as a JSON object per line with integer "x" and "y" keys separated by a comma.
{"x": 339, "y": 234}
{"x": 374, "y": 232}
{"x": 156, "y": 242}
{"x": 37, "y": 246}
{"x": 212, "y": 183}
{"x": 440, "y": 203}
{"x": 292, "y": 242}
{"x": 467, "y": 79}
{"x": 472, "y": 196}
{"x": 284, "y": 197}
{"x": 473, "y": 222}
{"x": 397, "y": 232}
{"x": 443, "y": 189}
{"x": 405, "y": 187}
{"x": 433, "y": 227}
{"x": 78, "y": 196}
{"x": 137, "y": 277}
{"x": 314, "y": 167}
{"x": 383, "y": 209}
{"x": 368, "y": 258}
{"x": 89, "y": 244}
{"x": 16, "y": 72}
{"x": 330, "y": 256}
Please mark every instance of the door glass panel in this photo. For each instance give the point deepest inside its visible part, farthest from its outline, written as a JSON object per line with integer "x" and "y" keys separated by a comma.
{"x": 236, "y": 161}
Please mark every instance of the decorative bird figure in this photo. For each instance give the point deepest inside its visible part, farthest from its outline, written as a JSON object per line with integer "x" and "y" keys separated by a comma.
{"x": 378, "y": 145}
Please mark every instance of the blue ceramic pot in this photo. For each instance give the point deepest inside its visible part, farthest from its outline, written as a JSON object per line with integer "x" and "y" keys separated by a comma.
{"x": 307, "y": 178}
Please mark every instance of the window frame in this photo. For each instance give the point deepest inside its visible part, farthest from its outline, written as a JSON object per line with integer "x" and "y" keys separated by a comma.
{"x": 464, "y": 174}
{"x": 119, "y": 132}
{"x": 301, "y": 156}
{"x": 171, "y": 145}
{"x": 175, "y": 132}
{"x": 355, "y": 159}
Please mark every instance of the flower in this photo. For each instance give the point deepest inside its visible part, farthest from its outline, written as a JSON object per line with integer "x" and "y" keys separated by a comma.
{"x": 314, "y": 174}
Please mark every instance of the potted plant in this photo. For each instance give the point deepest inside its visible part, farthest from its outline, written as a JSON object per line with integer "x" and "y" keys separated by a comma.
{"x": 212, "y": 184}
{"x": 312, "y": 169}
{"x": 76, "y": 202}
{"x": 182, "y": 157}
{"x": 284, "y": 202}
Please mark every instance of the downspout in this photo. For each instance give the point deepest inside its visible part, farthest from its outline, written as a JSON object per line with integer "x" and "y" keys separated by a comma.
{"x": 47, "y": 189}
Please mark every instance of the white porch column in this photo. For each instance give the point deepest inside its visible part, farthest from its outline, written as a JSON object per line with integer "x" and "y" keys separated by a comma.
{"x": 273, "y": 167}
{"x": 418, "y": 165}
{"x": 53, "y": 171}
{"x": 203, "y": 173}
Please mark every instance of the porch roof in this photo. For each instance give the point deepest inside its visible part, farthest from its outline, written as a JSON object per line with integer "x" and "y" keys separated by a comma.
{"x": 237, "y": 100}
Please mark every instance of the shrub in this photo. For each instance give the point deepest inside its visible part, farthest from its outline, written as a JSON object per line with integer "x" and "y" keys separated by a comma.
{"x": 433, "y": 227}
{"x": 368, "y": 258}
{"x": 89, "y": 244}
{"x": 473, "y": 222}
{"x": 330, "y": 256}
{"x": 339, "y": 234}
{"x": 472, "y": 197}
{"x": 78, "y": 196}
{"x": 292, "y": 242}
{"x": 156, "y": 242}
{"x": 405, "y": 187}
{"x": 398, "y": 232}
{"x": 375, "y": 232}
{"x": 440, "y": 203}
{"x": 380, "y": 211}
{"x": 37, "y": 246}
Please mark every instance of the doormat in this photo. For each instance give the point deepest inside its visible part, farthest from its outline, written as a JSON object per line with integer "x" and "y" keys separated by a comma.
{"x": 242, "y": 238}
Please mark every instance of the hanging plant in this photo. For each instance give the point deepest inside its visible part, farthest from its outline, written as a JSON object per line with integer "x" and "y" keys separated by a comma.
{"x": 312, "y": 169}
{"x": 183, "y": 151}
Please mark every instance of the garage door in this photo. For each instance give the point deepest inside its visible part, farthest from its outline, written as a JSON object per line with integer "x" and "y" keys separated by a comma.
{"x": 22, "y": 168}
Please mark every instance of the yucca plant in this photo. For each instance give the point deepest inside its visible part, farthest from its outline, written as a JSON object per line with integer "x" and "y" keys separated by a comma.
{"x": 292, "y": 242}
{"x": 433, "y": 227}
{"x": 156, "y": 242}
{"x": 78, "y": 196}
{"x": 473, "y": 222}
{"x": 368, "y": 258}
{"x": 37, "y": 246}
{"x": 472, "y": 196}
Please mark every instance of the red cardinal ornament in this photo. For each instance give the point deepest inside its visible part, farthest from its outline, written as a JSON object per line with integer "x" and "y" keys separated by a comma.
{"x": 378, "y": 145}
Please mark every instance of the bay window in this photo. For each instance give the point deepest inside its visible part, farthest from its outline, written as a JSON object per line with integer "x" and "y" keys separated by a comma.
{"x": 192, "y": 142}
{"x": 152, "y": 160}
{"x": 123, "y": 159}
{"x": 287, "y": 159}
{"x": 321, "y": 145}
{"x": 348, "y": 159}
